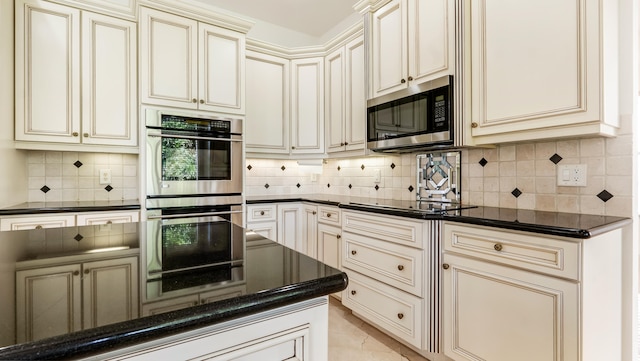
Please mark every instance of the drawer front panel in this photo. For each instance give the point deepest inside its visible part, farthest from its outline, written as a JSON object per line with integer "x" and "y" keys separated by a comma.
{"x": 397, "y": 265}
{"x": 92, "y": 219}
{"x": 531, "y": 252}
{"x": 37, "y": 222}
{"x": 261, "y": 213}
{"x": 390, "y": 229}
{"x": 329, "y": 215}
{"x": 397, "y": 312}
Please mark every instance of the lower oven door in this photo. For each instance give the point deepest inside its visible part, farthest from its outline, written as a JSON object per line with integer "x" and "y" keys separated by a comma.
{"x": 189, "y": 164}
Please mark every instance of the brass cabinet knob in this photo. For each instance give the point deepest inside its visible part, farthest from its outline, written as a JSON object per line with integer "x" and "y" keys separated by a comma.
{"x": 292, "y": 147}
{"x": 402, "y": 81}
{"x": 339, "y": 236}
{"x": 328, "y": 215}
{"x": 354, "y": 252}
{"x": 75, "y": 273}
{"x": 201, "y": 101}
{"x": 400, "y": 316}
{"x": 314, "y": 213}
{"x": 346, "y": 143}
{"x": 474, "y": 125}
{"x": 445, "y": 266}
{"x": 86, "y": 135}
{"x": 39, "y": 227}
{"x": 109, "y": 222}
{"x": 194, "y": 100}
{"x": 342, "y": 144}
{"x": 75, "y": 134}
{"x": 400, "y": 267}
{"x": 353, "y": 292}
{"x": 87, "y": 271}
{"x": 410, "y": 78}
{"x": 262, "y": 213}
{"x": 497, "y": 247}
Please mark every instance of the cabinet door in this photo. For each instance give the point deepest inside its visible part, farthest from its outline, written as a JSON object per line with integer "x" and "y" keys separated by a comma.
{"x": 431, "y": 33}
{"x": 110, "y": 291}
{"x": 307, "y": 106}
{"x": 267, "y": 114}
{"x": 335, "y": 104}
{"x": 47, "y": 63}
{"x": 546, "y": 75}
{"x": 265, "y": 229}
{"x": 389, "y": 48}
{"x": 91, "y": 219}
{"x": 497, "y": 313}
{"x": 329, "y": 245}
{"x": 48, "y": 302}
{"x": 356, "y": 95}
{"x": 290, "y": 225}
{"x": 221, "y": 80}
{"x": 109, "y": 82}
{"x": 168, "y": 58}
{"x": 309, "y": 230}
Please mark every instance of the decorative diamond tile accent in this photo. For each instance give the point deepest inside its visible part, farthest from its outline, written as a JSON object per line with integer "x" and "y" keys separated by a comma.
{"x": 78, "y": 237}
{"x": 555, "y": 158}
{"x": 108, "y": 188}
{"x": 516, "y": 192}
{"x": 249, "y": 167}
{"x": 283, "y": 168}
{"x": 362, "y": 167}
{"x": 410, "y": 188}
{"x": 45, "y": 189}
{"x": 350, "y": 186}
{"x": 78, "y": 164}
{"x": 339, "y": 168}
{"x": 604, "y": 195}
{"x": 298, "y": 185}
{"x": 328, "y": 185}
{"x": 393, "y": 166}
{"x": 266, "y": 185}
{"x": 483, "y": 162}
{"x": 376, "y": 187}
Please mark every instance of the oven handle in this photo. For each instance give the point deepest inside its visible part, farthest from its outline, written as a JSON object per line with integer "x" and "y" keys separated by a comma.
{"x": 192, "y": 137}
{"x": 192, "y": 215}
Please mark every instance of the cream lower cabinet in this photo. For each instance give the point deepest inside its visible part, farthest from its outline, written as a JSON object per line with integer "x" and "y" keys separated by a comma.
{"x": 35, "y": 221}
{"x": 60, "y": 299}
{"x": 552, "y": 78}
{"x": 76, "y": 85}
{"x": 203, "y": 297}
{"x": 522, "y": 296}
{"x": 295, "y": 332}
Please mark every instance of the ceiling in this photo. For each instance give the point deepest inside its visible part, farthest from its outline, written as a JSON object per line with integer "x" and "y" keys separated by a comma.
{"x": 311, "y": 17}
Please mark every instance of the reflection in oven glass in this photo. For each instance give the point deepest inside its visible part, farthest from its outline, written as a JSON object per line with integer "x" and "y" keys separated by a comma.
{"x": 195, "y": 244}
{"x": 188, "y": 159}
{"x": 194, "y": 278}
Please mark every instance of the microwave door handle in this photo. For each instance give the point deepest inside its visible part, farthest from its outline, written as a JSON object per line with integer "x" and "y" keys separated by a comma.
{"x": 193, "y": 215}
{"x": 193, "y": 137}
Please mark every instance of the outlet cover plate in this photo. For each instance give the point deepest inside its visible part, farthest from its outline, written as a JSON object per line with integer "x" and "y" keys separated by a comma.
{"x": 572, "y": 175}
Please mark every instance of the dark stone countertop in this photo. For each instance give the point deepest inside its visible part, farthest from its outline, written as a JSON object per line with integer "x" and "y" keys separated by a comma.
{"x": 80, "y": 206}
{"x": 264, "y": 285}
{"x": 571, "y": 225}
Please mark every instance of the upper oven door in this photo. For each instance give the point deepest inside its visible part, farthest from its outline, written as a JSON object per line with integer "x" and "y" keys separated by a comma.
{"x": 192, "y": 162}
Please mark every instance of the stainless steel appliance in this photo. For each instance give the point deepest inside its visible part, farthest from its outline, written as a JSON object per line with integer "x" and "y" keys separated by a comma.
{"x": 192, "y": 153}
{"x": 419, "y": 117}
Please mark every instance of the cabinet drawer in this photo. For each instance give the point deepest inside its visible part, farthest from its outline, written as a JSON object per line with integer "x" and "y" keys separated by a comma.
{"x": 388, "y": 228}
{"x": 91, "y": 219}
{"x": 329, "y": 215}
{"x": 394, "y": 264}
{"x": 37, "y": 222}
{"x": 261, "y": 213}
{"x": 397, "y": 312}
{"x": 528, "y": 251}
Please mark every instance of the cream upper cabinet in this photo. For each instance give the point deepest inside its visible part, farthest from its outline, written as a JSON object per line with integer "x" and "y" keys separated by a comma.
{"x": 56, "y": 101}
{"x": 412, "y": 41}
{"x": 345, "y": 100}
{"x": 551, "y": 78}
{"x": 267, "y": 117}
{"x": 307, "y": 105}
{"x": 190, "y": 64}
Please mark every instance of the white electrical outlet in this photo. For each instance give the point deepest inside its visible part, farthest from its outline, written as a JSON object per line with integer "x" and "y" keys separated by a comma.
{"x": 376, "y": 175}
{"x": 572, "y": 175}
{"x": 105, "y": 176}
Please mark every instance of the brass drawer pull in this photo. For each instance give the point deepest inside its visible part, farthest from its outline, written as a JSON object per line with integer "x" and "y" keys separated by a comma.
{"x": 354, "y": 252}
{"x": 39, "y": 227}
{"x": 328, "y": 215}
{"x": 314, "y": 213}
{"x": 400, "y": 267}
{"x": 86, "y": 271}
{"x": 75, "y": 273}
{"x": 400, "y": 316}
{"x": 445, "y": 266}
{"x": 339, "y": 236}
{"x": 353, "y": 292}
{"x": 497, "y": 247}
{"x": 262, "y": 213}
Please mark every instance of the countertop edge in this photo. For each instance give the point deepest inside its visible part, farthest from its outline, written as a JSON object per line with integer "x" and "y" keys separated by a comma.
{"x": 67, "y": 209}
{"x": 112, "y": 337}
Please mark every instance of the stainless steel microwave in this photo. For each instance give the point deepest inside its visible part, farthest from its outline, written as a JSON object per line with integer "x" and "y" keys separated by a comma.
{"x": 419, "y": 117}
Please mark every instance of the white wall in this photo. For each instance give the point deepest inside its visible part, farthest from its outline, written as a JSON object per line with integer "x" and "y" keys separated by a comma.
{"x": 13, "y": 182}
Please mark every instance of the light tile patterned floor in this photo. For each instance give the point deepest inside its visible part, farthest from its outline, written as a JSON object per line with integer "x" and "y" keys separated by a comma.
{"x": 351, "y": 339}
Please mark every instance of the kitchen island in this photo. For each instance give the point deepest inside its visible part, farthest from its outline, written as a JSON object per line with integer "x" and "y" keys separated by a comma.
{"x": 180, "y": 288}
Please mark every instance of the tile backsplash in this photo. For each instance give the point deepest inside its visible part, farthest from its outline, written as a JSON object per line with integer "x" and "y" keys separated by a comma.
{"x": 73, "y": 176}
{"x": 519, "y": 176}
